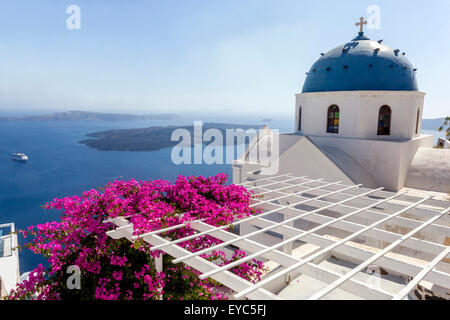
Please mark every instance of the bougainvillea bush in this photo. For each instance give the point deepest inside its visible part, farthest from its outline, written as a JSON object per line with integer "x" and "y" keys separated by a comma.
{"x": 120, "y": 270}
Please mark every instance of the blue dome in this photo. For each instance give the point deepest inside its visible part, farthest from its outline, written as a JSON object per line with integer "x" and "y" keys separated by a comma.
{"x": 361, "y": 64}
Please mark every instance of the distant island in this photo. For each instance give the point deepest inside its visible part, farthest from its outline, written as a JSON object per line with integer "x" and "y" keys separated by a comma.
{"x": 432, "y": 124}
{"x": 149, "y": 139}
{"x": 91, "y": 116}
{"x": 267, "y": 120}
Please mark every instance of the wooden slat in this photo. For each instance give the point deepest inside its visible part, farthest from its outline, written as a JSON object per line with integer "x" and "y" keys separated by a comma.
{"x": 359, "y": 254}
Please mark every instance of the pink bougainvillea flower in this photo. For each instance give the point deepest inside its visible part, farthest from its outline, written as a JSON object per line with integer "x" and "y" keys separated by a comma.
{"x": 117, "y": 269}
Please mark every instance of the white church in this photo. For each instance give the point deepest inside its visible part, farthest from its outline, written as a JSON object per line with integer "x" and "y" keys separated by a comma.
{"x": 358, "y": 120}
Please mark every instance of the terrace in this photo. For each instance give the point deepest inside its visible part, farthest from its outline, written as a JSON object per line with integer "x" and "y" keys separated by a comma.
{"x": 325, "y": 240}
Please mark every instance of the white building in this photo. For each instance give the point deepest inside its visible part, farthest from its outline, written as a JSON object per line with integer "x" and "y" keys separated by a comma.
{"x": 9, "y": 259}
{"x": 325, "y": 236}
{"x": 358, "y": 120}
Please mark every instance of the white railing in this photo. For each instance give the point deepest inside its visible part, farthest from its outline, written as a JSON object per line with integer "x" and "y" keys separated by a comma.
{"x": 9, "y": 258}
{"x": 8, "y": 243}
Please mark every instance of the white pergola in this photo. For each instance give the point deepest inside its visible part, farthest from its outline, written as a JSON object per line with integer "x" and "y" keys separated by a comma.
{"x": 404, "y": 235}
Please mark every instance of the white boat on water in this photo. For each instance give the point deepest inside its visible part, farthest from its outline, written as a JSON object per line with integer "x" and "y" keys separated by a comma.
{"x": 21, "y": 157}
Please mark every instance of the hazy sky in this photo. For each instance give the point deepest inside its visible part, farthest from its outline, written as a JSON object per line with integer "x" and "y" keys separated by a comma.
{"x": 182, "y": 56}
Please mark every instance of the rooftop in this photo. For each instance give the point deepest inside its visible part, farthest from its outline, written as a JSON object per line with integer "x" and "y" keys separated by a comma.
{"x": 361, "y": 64}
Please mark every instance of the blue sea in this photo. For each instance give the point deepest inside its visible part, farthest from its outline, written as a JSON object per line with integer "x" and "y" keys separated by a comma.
{"x": 59, "y": 166}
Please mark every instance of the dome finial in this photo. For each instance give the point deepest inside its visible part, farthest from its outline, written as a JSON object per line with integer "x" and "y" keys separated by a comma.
{"x": 361, "y": 24}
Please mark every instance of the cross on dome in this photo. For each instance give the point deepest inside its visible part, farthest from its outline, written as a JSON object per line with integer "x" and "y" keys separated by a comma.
{"x": 361, "y": 24}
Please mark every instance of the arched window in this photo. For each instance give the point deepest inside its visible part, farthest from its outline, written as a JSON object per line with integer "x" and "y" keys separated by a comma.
{"x": 300, "y": 119}
{"x": 384, "y": 121}
{"x": 417, "y": 121}
{"x": 333, "y": 119}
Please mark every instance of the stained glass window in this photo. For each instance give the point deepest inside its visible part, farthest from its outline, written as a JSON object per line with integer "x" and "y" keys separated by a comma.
{"x": 384, "y": 121}
{"x": 333, "y": 119}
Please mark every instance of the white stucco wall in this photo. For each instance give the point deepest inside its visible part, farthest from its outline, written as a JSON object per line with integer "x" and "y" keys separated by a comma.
{"x": 359, "y": 112}
{"x": 373, "y": 163}
{"x": 299, "y": 157}
{"x": 386, "y": 162}
{"x": 9, "y": 263}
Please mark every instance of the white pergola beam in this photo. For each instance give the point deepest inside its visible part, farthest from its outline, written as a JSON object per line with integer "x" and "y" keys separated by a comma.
{"x": 283, "y": 182}
{"x": 229, "y": 279}
{"x": 357, "y": 253}
{"x": 407, "y": 198}
{"x": 246, "y": 183}
{"x": 325, "y": 250}
{"x": 422, "y": 274}
{"x": 344, "y": 211}
{"x": 376, "y": 233}
{"x": 241, "y": 221}
{"x": 291, "y": 239}
{"x": 285, "y": 222}
{"x": 375, "y": 257}
{"x": 355, "y": 287}
{"x": 425, "y": 213}
{"x": 374, "y": 215}
{"x": 370, "y": 215}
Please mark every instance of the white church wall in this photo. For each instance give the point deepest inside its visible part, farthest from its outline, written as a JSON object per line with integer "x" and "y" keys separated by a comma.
{"x": 387, "y": 162}
{"x": 305, "y": 159}
{"x": 299, "y": 157}
{"x": 408, "y": 152}
{"x": 373, "y": 163}
{"x": 359, "y": 112}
